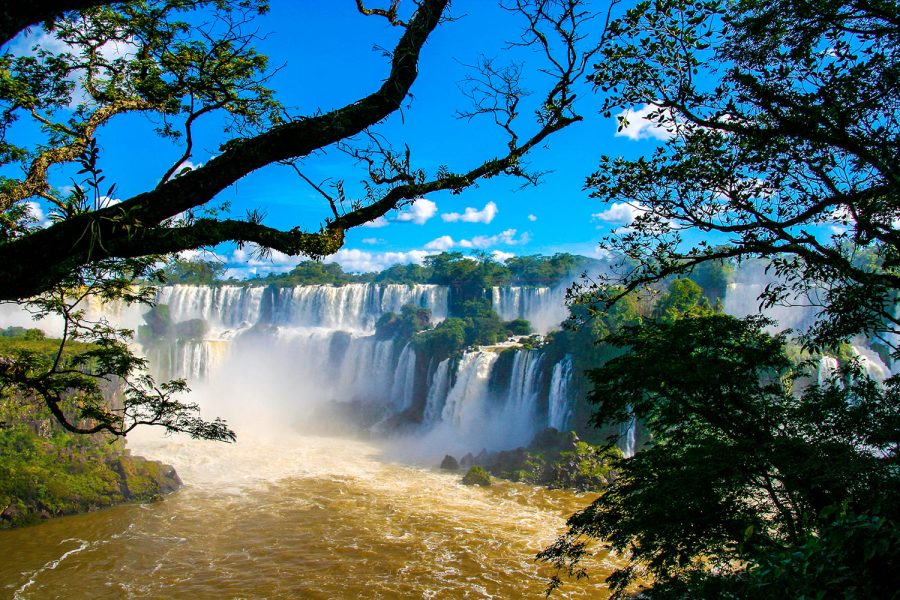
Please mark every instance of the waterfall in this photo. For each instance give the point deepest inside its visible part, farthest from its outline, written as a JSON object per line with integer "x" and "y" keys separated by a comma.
{"x": 560, "y": 410}
{"x": 352, "y": 307}
{"x": 544, "y": 307}
{"x": 437, "y": 393}
{"x": 828, "y": 366}
{"x": 520, "y": 408}
{"x": 872, "y": 363}
{"x": 222, "y": 307}
{"x": 292, "y": 354}
{"x": 629, "y": 438}
{"x": 404, "y": 379}
{"x": 466, "y": 406}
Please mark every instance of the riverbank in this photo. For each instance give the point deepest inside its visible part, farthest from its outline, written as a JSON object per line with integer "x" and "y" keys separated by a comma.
{"x": 56, "y": 474}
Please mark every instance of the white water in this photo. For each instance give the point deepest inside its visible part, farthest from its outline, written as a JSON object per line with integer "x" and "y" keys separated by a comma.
{"x": 437, "y": 393}
{"x": 519, "y": 411}
{"x": 544, "y": 307}
{"x": 353, "y": 307}
{"x": 560, "y": 409}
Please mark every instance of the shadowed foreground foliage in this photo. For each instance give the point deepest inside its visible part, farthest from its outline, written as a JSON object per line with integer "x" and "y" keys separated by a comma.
{"x": 757, "y": 483}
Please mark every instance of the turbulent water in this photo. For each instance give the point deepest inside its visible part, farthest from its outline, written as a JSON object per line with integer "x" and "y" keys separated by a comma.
{"x": 309, "y": 346}
{"x": 298, "y": 517}
{"x": 282, "y": 514}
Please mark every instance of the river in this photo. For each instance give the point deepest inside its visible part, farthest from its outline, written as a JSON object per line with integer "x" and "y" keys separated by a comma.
{"x": 299, "y": 516}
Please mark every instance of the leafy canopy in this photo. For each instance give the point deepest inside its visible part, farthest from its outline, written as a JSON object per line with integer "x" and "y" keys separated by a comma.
{"x": 754, "y": 473}
{"x": 782, "y": 127}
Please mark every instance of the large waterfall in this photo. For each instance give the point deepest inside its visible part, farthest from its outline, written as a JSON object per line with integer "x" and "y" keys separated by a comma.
{"x": 311, "y": 349}
{"x": 353, "y": 307}
{"x": 544, "y": 307}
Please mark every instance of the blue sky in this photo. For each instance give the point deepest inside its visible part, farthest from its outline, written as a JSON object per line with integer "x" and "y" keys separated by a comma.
{"x": 328, "y": 57}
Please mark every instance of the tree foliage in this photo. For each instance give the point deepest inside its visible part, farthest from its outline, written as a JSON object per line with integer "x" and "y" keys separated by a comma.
{"x": 782, "y": 124}
{"x": 751, "y": 479}
{"x": 193, "y": 272}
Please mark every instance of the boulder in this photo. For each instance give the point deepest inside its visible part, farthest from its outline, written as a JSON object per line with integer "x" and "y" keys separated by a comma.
{"x": 477, "y": 476}
{"x": 467, "y": 461}
{"x": 449, "y": 463}
{"x": 10, "y": 513}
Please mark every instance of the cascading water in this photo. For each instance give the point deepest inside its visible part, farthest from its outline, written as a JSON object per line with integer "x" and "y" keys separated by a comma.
{"x": 404, "y": 379}
{"x": 629, "y": 438}
{"x": 560, "y": 408}
{"x": 520, "y": 409}
{"x": 544, "y": 307}
{"x": 828, "y": 366}
{"x": 437, "y": 393}
{"x": 465, "y": 409}
{"x": 320, "y": 339}
{"x": 352, "y": 307}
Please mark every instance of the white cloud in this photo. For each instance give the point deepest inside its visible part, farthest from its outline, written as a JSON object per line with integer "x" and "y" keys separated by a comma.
{"x": 620, "y": 212}
{"x": 375, "y": 224}
{"x": 532, "y": 218}
{"x": 372, "y": 241}
{"x": 445, "y": 242}
{"x": 473, "y": 215}
{"x": 202, "y": 254}
{"x": 638, "y": 126}
{"x": 361, "y": 261}
{"x": 187, "y": 165}
{"x": 25, "y": 44}
{"x": 418, "y": 212}
{"x": 507, "y": 237}
{"x": 272, "y": 260}
{"x": 36, "y": 212}
{"x": 501, "y": 256}
{"x": 246, "y": 262}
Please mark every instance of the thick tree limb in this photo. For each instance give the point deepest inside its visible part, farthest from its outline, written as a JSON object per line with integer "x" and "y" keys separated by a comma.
{"x": 32, "y": 263}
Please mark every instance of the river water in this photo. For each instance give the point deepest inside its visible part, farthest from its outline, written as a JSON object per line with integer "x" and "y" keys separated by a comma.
{"x": 298, "y": 516}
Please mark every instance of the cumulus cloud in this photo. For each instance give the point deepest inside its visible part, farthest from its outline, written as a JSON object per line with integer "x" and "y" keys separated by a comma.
{"x": 532, "y": 218}
{"x": 473, "y": 215}
{"x": 36, "y": 212}
{"x": 507, "y": 237}
{"x": 638, "y": 126}
{"x": 621, "y": 213}
{"x": 445, "y": 242}
{"x": 28, "y": 43}
{"x": 501, "y": 256}
{"x": 379, "y": 222}
{"x": 362, "y": 261}
{"x": 187, "y": 165}
{"x": 420, "y": 211}
{"x": 202, "y": 254}
{"x": 246, "y": 262}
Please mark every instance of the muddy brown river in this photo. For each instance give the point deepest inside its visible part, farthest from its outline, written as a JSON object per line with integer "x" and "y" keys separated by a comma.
{"x": 308, "y": 517}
